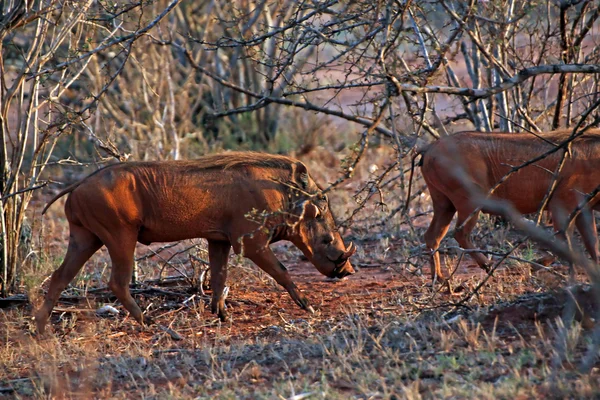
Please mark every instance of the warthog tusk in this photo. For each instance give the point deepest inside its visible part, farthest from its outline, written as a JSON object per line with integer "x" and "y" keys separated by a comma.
{"x": 310, "y": 309}
{"x": 351, "y": 249}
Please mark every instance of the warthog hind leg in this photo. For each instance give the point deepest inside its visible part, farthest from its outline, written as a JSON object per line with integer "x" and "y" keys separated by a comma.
{"x": 218, "y": 254}
{"x": 443, "y": 211}
{"x": 463, "y": 237}
{"x": 584, "y": 222}
{"x": 82, "y": 245}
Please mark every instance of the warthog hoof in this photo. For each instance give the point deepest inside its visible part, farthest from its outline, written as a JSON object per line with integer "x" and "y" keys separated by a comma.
{"x": 304, "y": 304}
{"x": 40, "y": 324}
{"x": 147, "y": 321}
{"x": 220, "y": 310}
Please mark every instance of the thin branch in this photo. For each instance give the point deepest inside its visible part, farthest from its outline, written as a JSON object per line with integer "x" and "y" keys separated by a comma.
{"x": 507, "y": 84}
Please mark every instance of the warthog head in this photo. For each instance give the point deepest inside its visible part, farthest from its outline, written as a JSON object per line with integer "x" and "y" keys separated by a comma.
{"x": 315, "y": 233}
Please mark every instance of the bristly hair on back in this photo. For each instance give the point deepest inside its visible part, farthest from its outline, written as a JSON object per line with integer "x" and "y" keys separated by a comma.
{"x": 563, "y": 134}
{"x": 239, "y": 159}
{"x": 228, "y": 160}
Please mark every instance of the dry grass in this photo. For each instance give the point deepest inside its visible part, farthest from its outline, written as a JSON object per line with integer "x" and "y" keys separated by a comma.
{"x": 359, "y": 354}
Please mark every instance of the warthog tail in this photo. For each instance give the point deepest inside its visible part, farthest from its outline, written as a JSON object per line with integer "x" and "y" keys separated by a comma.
{"x": 61, "y": 194}
{"x": 410, "y": 178}
{"x": 74, "y": 186}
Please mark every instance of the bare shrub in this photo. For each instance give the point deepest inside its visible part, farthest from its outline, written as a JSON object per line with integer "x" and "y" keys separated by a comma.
{"x": 47, "y": 49}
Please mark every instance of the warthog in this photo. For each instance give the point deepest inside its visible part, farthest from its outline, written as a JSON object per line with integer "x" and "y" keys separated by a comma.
{"x": 480, "y": 160}
{"x": 211, "y": 197}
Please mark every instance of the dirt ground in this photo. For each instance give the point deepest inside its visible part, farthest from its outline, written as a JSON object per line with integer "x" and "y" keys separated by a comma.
{"x": 272, "y": 349}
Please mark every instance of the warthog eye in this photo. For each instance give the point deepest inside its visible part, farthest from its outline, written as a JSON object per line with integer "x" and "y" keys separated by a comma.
{"x": 328, "y": 239}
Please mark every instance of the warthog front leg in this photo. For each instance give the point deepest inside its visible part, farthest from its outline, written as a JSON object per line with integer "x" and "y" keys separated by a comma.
{"x": 121, "y": 248}
{"x": 586, "y": 225}
{"x": 267, "y": 261}
{"x": 218, "y": 254}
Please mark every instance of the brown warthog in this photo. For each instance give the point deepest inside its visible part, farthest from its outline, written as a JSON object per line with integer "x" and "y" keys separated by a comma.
{"x": 210, "y": 198}
{"x": 479, "y": 160}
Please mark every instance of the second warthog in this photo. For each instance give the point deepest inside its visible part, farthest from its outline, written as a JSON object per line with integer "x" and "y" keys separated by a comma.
{"x": 241, "y": 200}
{"x": 463, "y": 166}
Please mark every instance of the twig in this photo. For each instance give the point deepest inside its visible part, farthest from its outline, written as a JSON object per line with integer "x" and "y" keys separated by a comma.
{"x": 8, "y": 196}
{"x": 153, "y": 253}
{"x": 364, "y": 143}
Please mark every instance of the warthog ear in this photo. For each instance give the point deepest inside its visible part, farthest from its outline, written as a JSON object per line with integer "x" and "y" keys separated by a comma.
{"x": 300, "y": 174}
{"x": 310, "y": 210}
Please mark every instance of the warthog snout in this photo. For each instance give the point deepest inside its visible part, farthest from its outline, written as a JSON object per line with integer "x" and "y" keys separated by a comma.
{"x": 342, "y": 264}
{"x": 344, "y": 270}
